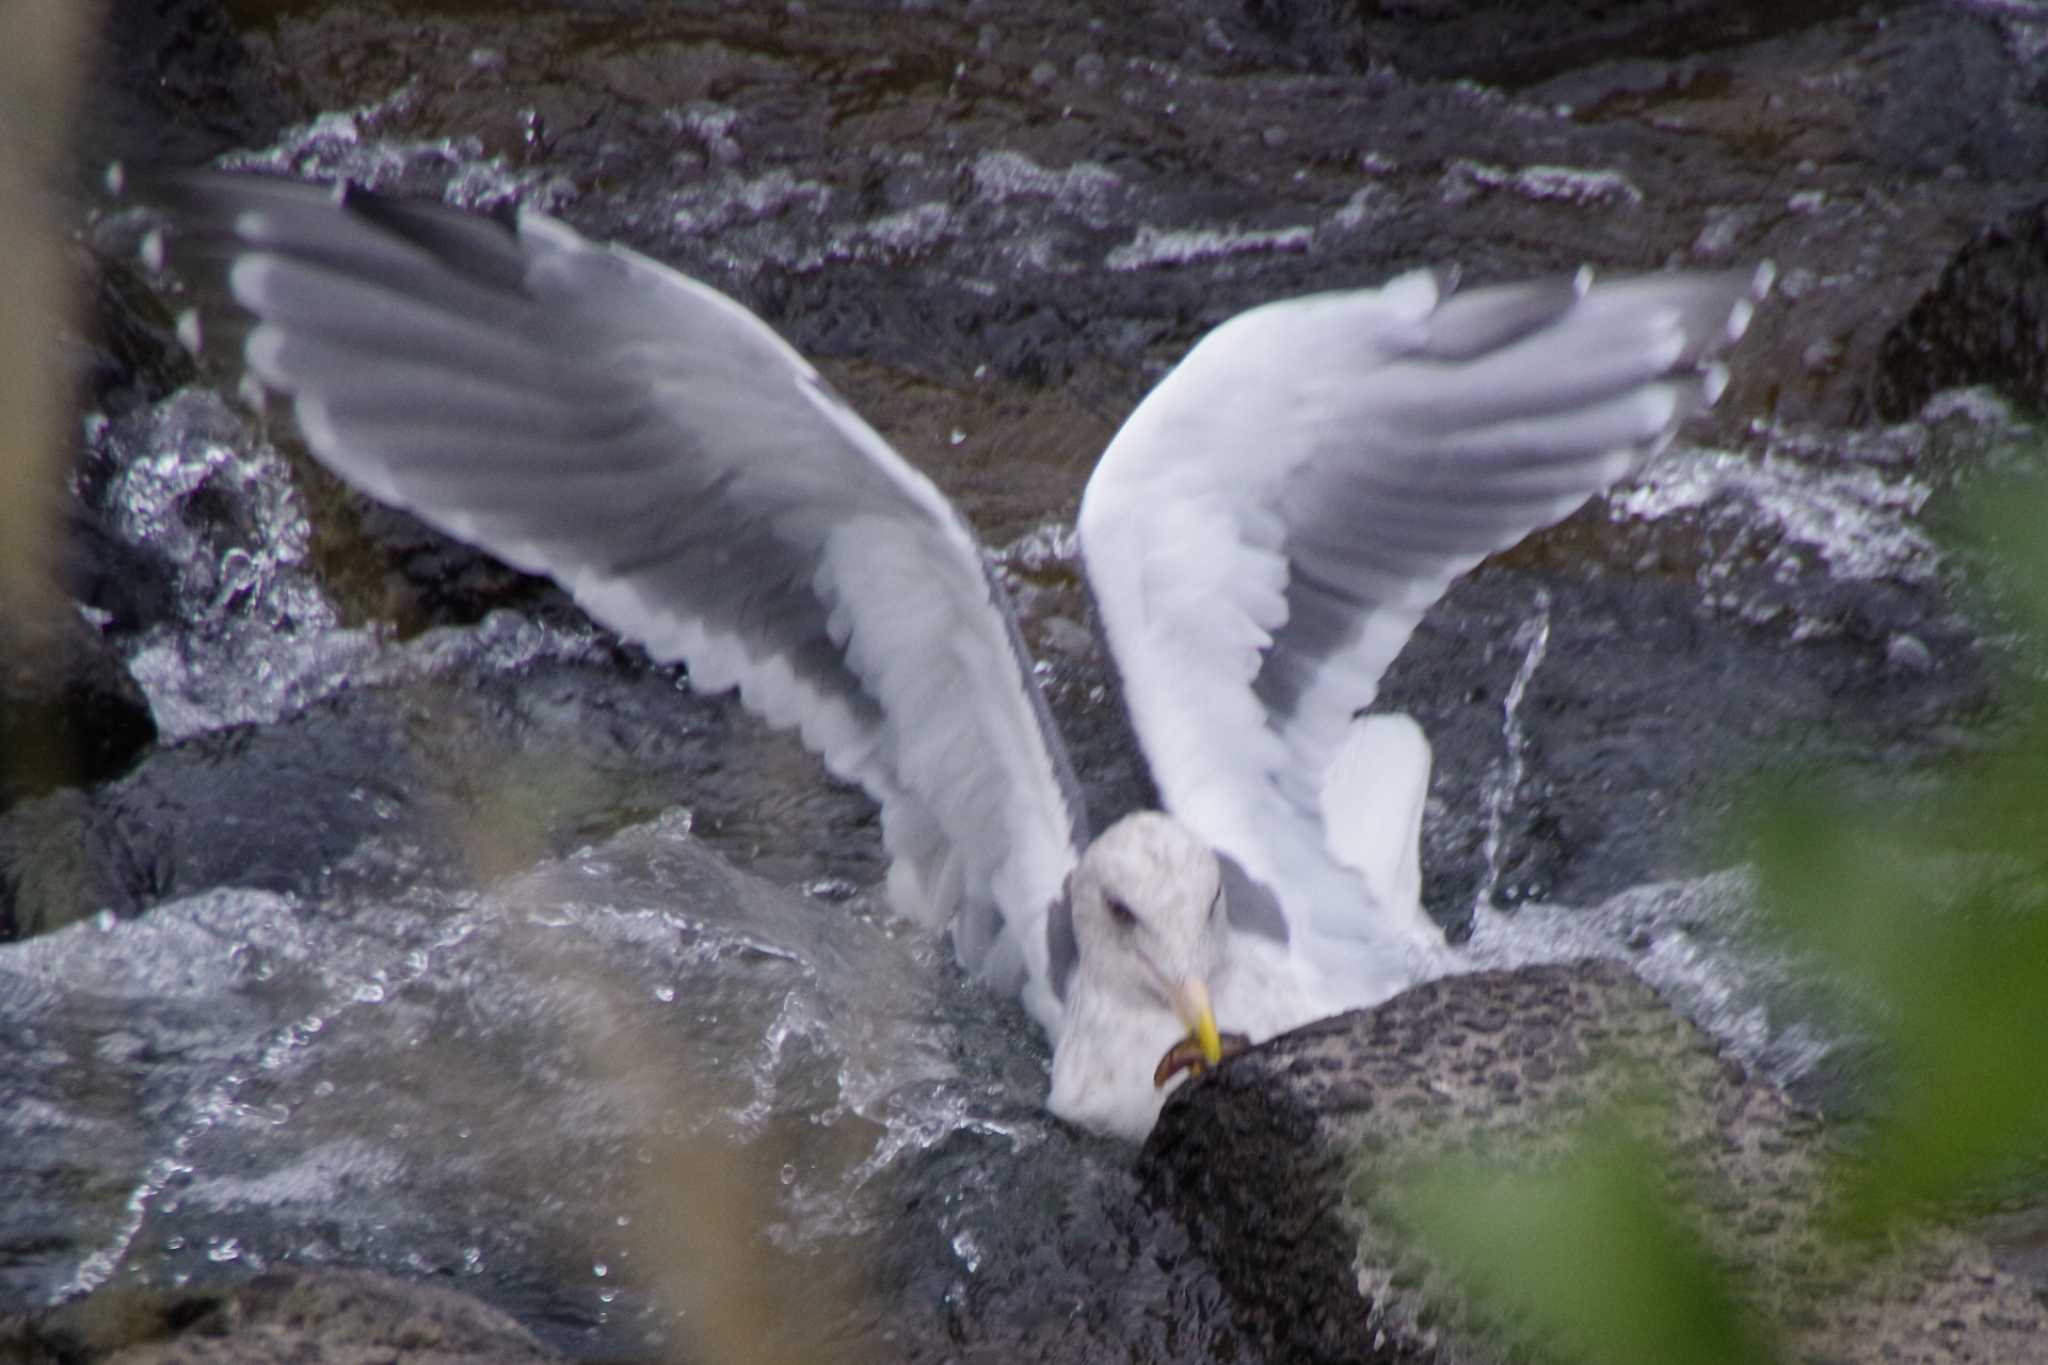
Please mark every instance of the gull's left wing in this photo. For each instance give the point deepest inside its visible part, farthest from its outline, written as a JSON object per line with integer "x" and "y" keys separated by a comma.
{"x": 1268, "y": 527}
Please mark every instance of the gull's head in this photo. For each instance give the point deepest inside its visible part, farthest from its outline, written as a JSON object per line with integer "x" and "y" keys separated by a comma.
{"x": 1150, "y": 920}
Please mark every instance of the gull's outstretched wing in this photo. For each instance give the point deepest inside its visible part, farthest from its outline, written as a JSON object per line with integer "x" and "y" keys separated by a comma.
{"x": 583, "y": 412}
{"x": 1266, "y": 530}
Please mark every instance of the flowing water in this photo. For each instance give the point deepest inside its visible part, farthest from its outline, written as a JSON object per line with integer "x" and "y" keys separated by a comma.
{"x": 494, "y": 1074}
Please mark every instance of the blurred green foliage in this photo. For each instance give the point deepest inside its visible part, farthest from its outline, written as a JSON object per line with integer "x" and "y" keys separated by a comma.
{"x": 1933, "y": 912}
{"x": 1926, "y": 908}
{"x": 1586, "y": 1259}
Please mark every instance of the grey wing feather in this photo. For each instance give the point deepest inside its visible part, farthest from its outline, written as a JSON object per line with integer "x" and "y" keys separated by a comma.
{"x": 583, "y": 412}
{"x": 1512, "y": 408}
{"x": 1266, "y": 530}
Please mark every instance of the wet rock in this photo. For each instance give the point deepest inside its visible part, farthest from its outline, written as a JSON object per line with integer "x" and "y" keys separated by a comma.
{"x": 130, "y": 353}
{"x": 310, "y": 1317}
{"x": 125, "y": 584}
{"x": 1519, "y": 45}
{"x": 1636, "y": 690}
{"x": 59, "y": 862}
{"x": 392, "y": 566}
{"x": 1985, "y": 321}
{"x": 375, "y": 787}
{"x": 69, "y": 712}
{"x": 1277, "y": 1163}
{"x": 1007, "y": 224}
{"x": 1062, "y": 222}
{"x": 173, "y": 84}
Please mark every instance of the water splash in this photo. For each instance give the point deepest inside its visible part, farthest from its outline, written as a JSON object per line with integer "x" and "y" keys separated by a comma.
{"x": 1702, "y": 944}
{"x": 255, "y": 637}
{"x": 1532, "y": 637}
{"x": 199, "y": 948}
{"x": 347, "y": 144}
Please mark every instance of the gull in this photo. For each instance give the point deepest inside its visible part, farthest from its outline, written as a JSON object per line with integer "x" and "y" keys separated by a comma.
{"x": 1260, "y": 539}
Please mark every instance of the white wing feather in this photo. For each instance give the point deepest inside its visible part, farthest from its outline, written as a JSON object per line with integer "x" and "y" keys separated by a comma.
{"x": 1264, "y": 533}
{"x": 583, "y": 412}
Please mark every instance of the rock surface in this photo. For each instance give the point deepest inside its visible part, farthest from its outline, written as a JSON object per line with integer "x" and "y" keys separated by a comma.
{"x": 69, "y": 711}
{"x": 1985, "y": 321}
{"x": 992, "y": 229}
{"x": 1278, "y": 1163}
{"x": 304, "y": 1317}
{"x": 994, "y": 225}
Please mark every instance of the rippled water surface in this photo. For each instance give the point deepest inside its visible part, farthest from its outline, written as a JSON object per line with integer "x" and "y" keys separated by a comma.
{"x": 538, "y": 1074}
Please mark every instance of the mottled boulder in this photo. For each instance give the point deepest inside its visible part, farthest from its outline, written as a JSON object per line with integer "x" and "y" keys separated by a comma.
{"x": 1277, "y": 1163}
{"x": 309, "y": 1317}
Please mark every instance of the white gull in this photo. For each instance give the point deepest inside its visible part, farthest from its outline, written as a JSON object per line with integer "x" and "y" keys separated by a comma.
{"x": 1260, "y": 537}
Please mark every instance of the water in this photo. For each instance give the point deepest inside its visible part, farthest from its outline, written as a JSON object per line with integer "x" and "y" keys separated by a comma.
{"x": 1502, "y": 787}
{"x": 535, "y": 1083}
{"x": 482, "y": 1085}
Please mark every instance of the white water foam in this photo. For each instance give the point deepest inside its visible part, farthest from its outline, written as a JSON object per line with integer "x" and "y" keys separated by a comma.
{"x": 346, "y": 145}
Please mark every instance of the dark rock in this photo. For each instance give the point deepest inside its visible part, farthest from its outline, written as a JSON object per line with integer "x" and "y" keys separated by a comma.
{"x": 1643, "y": 693}
{"x": 395, "y": 567}
{"x": 309, "y": 1317}
{"x": 60, "y": 862}
{"x": 172, "y": 85}
{"x": 69, "y": 712}
{"x": 1985, "y": 321}
{"x": 131, "y": 352}
{"x": 1277, "y": 1163}
{"x": 1520, "y": 44}
{"x": 1290, "y": 1271}
{"x": 133, "y": 585}
{"x": 1841, "y": 144}
{"x": 376, "y": 786}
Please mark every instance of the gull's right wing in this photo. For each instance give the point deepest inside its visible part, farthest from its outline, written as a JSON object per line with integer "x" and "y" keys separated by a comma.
{"x": 583, "y": 412}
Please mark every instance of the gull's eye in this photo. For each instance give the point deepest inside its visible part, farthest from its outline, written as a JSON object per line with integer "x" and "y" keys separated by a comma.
{"x": 1125, "y": 917}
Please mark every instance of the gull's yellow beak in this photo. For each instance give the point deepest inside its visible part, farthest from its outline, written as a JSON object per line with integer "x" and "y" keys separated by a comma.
{"x": 1191, "y": 1003}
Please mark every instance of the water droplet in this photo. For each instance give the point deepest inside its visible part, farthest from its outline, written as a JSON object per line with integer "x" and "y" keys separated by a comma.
{"x": 104, "y": 921}
{"x": 600, "y": 1270}
{"x": 223, "y": 1249}
{"x": 174, "y": 1244}
{"x": 788, "y": 1174}
{"x": 956, "y": 436}
{"x": 625, "y": 1220}
{"x": 665, "y": 994}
